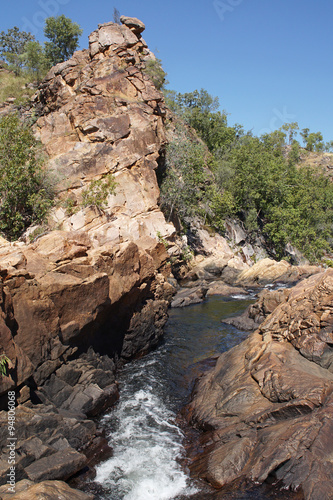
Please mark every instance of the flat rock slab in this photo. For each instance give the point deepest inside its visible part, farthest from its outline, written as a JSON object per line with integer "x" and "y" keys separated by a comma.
{"x": 221, "y": 288}
{"x": 187, "y": 296}
{"x": 60, "y": 465}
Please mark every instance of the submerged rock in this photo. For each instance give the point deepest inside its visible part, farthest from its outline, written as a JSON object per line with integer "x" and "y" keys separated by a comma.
{"x": 256, "y": 313}
{"x": 187, "y": 296}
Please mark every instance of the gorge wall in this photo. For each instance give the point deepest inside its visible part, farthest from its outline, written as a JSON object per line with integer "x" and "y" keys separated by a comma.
{"x": 97, "y": 282}
{"x": 266, "y": 408}
{"x": 99, "y": 115}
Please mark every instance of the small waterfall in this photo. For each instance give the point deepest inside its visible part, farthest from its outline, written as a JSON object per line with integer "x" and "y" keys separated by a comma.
{"x": 146, "y": 442}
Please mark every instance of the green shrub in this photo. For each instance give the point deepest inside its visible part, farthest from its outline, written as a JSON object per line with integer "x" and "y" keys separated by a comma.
{"x": 183, "y": 182}
{"x": 98, "y": 191}
{"x": 186, "y": 254}
{"x": 25, "y": 193}
{"x": 155, "y": 71}
{"x": 37, "y": 232}
{"x": 4, "y": 362}
{"x": 70, "y": 206}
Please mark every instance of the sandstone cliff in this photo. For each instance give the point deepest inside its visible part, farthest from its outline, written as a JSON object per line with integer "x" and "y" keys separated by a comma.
{"x": 100, "y": 115}
{"x": 266, "y": 407}
{"x": 97, "y": 283}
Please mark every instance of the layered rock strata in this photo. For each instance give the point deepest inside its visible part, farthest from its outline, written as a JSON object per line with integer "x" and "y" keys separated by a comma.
{"x": 266, "y": 408}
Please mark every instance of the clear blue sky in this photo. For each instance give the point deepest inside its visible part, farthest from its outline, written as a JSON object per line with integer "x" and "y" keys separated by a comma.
{"x": 268, "y": 61}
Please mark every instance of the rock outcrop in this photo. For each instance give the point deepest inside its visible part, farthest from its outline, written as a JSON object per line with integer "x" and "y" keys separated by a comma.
{"x": 269, "y": 271}
{"x": 267, "y": 406}
{"x": 98, "y": 279}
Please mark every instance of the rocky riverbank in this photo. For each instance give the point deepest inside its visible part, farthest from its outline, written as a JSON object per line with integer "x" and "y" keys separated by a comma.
{"x": 230, "y": 276}
{"x": 266, "y": 407}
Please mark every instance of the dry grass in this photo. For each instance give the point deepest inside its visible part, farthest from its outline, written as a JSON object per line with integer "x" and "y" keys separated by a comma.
{"x": 14, "y": 86}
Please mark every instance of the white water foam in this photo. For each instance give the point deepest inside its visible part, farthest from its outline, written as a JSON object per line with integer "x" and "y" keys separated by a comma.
{"x": 241, "y": 296}
{"x": 147, "y": 445}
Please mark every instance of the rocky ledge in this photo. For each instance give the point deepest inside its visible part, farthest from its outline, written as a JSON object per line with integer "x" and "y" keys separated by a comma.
{"x": 266, "y": 409}
{"x": 225, "y": 274}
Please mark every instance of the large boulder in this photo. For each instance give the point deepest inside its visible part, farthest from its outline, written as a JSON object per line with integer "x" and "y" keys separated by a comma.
{"x": 133, "y": 24}
{"x": 60, "y": 296}
{"x": 268, "y": 271}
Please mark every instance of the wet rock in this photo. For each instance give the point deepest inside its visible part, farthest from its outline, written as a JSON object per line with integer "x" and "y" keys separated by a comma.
{"x": 187, "y": 296}
{"x": 49, "y": 437}
{"x": 61, "y": 464}
{"x": 33, "y": 449}
{"x": 255, "y": 314}
{"x": 83, "y": 386}
{"x": 223, "y": 289}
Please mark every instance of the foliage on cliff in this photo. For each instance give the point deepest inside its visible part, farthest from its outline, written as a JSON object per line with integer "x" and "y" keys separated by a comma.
{"x": 28, "y": 59}
{"x": 98, "y": 191}
{"x": 256, "y": 179}
{"x": 25, "y": 195}
{"x": 188, "y": 185}
{"x": 153, "y": 68}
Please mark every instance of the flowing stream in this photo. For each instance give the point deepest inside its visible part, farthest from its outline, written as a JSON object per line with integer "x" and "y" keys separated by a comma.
{"x": 147, "y": 444}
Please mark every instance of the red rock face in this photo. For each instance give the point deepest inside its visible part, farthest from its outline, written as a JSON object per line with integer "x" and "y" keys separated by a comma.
{"x": 102, "y": 115}
{"x": 99, "y": 115}
{"x": 269, "y": 401}
{"x": 94, "y": 286}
